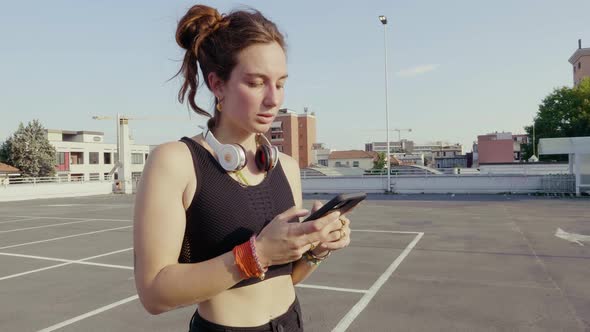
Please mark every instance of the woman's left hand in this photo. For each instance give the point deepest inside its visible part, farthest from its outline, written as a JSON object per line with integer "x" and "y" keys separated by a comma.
{"x": 340, "y": 235}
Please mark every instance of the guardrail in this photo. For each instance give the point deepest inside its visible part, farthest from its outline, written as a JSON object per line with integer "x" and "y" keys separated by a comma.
{"x": 444, "y": 183}
{"x": 53, "y": 179}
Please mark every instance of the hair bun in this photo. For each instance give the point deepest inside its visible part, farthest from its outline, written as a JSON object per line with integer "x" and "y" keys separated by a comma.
{"x": 199, "y": 21}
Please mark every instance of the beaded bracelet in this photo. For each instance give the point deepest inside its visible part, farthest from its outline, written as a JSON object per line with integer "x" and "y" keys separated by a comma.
{"x": 261, "y": 269}
{"x": 246, "y": 260}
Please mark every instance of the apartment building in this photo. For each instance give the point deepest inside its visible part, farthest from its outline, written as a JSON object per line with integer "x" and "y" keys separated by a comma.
{"x": 294, "y": 134}
{"x": 84, "y": 155}
{"x": 352, "y": 158}
{"x": 500, "y": 147}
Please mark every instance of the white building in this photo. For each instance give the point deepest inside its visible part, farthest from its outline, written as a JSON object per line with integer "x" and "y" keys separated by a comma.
{"x": 352, "y": 158}
{"x": 430, "y": 150}
{"x": 320, "y": 154}
{"x": 84, "y": 155}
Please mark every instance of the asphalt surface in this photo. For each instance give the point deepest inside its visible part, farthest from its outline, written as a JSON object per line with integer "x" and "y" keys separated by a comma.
{"x": 416, "y": 263}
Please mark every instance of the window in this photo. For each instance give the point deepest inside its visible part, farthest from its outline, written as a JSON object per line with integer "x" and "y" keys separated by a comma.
{"x": 137, "y": 158}
{"x": 93, "y": 156}
{"x": 107, "y": 158}
{"x": 338, "y": 164}
{"x": 76, "y": 158}
{"x": 355, "y": 164}
{"x": 146, "y": 155}
{"x": 60, "y": 158}
{"x": 579, "y": 64}
{"x": 94, "y": 176}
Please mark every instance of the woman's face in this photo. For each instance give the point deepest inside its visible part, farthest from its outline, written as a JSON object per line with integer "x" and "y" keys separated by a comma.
{"x": 255, "y": 90}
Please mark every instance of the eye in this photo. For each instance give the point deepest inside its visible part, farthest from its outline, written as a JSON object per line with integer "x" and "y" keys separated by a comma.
{"x": 255, "y": 84}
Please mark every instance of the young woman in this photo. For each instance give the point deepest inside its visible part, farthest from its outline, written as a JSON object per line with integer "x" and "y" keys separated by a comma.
{"x": 216, "y": 215}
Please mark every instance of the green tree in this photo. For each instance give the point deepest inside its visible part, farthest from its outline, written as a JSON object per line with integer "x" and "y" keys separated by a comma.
{"x": 380, "y": 162}
{"x": 563, "y": 113}
{"x": 29, "y": 150}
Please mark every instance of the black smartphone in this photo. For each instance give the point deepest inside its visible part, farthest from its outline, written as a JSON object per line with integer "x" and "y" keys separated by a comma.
{"x": 342, "y": 202}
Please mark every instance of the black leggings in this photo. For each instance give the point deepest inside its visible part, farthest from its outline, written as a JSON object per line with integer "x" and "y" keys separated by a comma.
{"x": 290, "y": 321}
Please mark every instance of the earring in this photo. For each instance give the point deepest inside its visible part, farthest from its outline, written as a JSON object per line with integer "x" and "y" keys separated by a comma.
{"x": 218, "y": 106}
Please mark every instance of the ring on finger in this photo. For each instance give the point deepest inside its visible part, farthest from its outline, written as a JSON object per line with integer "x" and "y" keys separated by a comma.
{"x": 342, "y": 233}
{"x": 342, "y": 221}
{"x": 311, "y": 246}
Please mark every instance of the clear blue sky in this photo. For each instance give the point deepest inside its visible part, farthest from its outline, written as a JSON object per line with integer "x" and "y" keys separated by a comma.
{"x": 457, "y": 69}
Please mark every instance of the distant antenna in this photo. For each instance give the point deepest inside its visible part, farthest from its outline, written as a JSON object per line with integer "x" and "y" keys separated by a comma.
{"x": 305, "y": 110}
{"x": 579, "y": 43}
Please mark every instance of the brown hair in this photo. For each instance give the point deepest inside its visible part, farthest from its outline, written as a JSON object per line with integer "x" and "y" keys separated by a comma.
{"x": 213, "y": 41}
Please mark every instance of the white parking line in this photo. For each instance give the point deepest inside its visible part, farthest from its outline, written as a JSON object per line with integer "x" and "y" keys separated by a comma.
{"x": 135, "y": 297}
{"x": 364, "y": 301}
{"x": 67, "y": 218}
{"x": 17, "y": 220}
{"x": 64, "y": 237}
{"x": 44, "y": 226}
{"x": 337, "y": 289}
{"x": 89, "y": 314}
{"x": 66, "y": 262}
{"x": 379, "y": 231}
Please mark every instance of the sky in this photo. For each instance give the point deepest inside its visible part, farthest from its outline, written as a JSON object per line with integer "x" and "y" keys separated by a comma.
{"x": 456, "y": 69}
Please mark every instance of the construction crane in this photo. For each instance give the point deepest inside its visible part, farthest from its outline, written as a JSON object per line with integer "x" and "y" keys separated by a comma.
{"x": 399, "y": 135}
{"x": 123, "y": 162}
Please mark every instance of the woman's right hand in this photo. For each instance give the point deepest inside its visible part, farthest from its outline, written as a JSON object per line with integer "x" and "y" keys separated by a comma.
{"x": 282, "y": 241}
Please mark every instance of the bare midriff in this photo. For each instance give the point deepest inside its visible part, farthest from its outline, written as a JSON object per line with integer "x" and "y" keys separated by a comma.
{"x": 252, "y": 305}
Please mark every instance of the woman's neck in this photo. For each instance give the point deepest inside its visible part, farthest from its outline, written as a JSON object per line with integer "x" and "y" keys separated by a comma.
{"x": 226, "y": 135}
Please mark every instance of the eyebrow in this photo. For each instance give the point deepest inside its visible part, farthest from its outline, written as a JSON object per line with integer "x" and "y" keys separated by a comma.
{"x": 264, "y": 76}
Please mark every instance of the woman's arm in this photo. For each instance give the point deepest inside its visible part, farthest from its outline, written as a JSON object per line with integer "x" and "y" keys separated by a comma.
{"x": 301, "y": 270}
{"x": 159, "y": 224}
{"x": 337, "y": 237}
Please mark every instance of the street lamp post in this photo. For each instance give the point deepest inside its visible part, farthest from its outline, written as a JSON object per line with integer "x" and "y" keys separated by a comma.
{"x": 383, "y": 20}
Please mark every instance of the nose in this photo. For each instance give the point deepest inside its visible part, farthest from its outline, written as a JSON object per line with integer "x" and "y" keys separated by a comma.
{"x": 273, "y": 97}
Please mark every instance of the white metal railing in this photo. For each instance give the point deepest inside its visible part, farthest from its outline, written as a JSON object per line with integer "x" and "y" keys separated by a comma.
{"x": 445, "y": 183}
{"x": 52, "y": 179}
{"x": 420, "y": 172}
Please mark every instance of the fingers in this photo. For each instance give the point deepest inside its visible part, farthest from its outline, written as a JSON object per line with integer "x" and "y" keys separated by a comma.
{"x": 316, "y": 206}
{"x": 318, "y": 229}
{"x": 291, "y": 214}
{"x": 342, "y": 239}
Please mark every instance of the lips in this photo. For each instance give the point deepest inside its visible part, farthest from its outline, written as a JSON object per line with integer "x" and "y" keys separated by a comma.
{"x": 265, "y": 117}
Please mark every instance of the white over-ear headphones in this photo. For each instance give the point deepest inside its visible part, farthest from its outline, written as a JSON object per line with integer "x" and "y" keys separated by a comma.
{"x": 232, "y": 157}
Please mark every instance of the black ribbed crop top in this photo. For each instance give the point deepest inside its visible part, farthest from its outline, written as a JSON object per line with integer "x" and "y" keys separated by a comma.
{"x": 224, "y": 214}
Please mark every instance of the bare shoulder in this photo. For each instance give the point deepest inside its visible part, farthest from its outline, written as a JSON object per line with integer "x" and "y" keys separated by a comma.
{"x": 289, "y": 164}
{"x": 173, "y": 149}
{"x": 172, "y": 157}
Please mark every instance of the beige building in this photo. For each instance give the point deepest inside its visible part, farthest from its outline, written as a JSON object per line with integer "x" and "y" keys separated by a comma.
{"x": 294, "y": 134}
{"x": 352, "y": 158}
{"x": 85, "y": 155}
{"x": 580, "y": 61}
